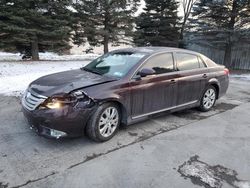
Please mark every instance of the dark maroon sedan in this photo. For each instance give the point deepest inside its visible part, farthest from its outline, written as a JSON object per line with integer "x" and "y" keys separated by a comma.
{"x": 123, "y": 86}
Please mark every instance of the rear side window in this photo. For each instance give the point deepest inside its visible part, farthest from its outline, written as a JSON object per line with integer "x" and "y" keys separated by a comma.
{"x": 201, "y": 62}
{"x": 208, "y": 61}
{"x": 187, "y": 61}
{"x": 161, "y": 64}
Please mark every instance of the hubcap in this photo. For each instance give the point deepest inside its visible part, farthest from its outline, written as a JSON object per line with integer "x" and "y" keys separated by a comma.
{"x": 108, "y": 121}
{"x": 209, "y": 98}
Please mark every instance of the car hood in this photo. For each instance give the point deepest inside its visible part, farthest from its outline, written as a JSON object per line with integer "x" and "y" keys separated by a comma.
{"x": 65, "y": 82}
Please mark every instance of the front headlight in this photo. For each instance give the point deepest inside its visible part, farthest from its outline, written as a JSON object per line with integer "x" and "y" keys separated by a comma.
{"x": 57, "y": 102}
{"x": 54, "y": 104}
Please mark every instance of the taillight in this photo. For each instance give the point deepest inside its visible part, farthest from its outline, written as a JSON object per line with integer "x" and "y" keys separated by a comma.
{"x": 226, "y": 71}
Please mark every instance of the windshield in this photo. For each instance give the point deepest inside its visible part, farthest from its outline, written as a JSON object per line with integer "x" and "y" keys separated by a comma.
{"x": 114, "y": 64}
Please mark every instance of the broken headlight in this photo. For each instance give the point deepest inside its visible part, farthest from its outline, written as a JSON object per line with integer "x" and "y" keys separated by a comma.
{"x": 58, "y": 101}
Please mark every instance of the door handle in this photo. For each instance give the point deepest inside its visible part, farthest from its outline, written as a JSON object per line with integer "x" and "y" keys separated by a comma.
{"x": 204, "y": 76}
{"x": 173, "y": 81}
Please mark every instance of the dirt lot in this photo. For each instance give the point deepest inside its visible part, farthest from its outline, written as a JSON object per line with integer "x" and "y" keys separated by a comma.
{"x": 184, "y": 149}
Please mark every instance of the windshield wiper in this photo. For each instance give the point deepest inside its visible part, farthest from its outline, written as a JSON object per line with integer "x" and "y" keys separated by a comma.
{"x": 90, "y": 70}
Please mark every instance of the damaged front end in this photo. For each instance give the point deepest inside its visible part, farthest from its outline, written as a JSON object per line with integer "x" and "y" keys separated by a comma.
{"x": 62, "y": 115}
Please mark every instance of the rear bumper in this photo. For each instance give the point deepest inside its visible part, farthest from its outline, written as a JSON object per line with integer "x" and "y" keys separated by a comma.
{"x": 57, "y": 123}
{"x": 224, "y": 83}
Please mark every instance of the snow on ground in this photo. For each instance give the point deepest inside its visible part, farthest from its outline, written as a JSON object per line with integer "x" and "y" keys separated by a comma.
{"x": 245, "y": 77}
{"x": 4, "y": 56}
{"x": 16, "y": 76}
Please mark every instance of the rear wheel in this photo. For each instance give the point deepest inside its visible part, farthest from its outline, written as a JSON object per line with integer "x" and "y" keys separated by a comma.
{"x": 208, "y": 99}
{"x": 104, "y": 122}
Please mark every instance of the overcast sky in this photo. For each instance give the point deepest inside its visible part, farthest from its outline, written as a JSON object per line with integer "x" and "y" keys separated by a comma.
{"x": 180, "y": 10}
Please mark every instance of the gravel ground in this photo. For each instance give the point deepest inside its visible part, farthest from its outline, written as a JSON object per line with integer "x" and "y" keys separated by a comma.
{"x": 164, "y": 151}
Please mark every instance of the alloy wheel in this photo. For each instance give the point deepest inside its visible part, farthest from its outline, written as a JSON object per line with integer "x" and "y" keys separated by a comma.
{"x": 209, "y": 98}
{"x": 108, "y": 121}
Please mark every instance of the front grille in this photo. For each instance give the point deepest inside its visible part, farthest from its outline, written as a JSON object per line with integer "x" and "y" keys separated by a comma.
{"x": 32, "y": 100}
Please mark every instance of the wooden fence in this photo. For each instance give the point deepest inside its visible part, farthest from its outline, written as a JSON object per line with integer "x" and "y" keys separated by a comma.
{"x": 240, "y": 55}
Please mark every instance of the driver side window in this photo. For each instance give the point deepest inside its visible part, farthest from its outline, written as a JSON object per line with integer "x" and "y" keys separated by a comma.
{"x": 161, "y": 64}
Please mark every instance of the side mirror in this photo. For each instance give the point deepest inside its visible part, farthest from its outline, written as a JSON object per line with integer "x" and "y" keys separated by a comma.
{"x": 146, "y": 72}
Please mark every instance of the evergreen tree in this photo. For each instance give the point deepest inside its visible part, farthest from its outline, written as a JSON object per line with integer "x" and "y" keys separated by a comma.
{"x": 222, "y": 24}
{"x": 30, "y": 26}
{"x": 105, "y": 21}
{"x": 158, "y": 25}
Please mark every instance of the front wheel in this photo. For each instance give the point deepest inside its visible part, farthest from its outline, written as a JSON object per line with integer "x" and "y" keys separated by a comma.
{"x": 104, "y": 123}
{"x": 208, "y": 99}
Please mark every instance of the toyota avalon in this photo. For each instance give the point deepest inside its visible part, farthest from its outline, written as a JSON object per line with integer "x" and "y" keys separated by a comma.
{"x": 122, "y": 87}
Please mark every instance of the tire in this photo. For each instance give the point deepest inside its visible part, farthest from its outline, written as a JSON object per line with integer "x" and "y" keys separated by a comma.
{"x": 208, "y": 99}
{"x": 101, "y": 126}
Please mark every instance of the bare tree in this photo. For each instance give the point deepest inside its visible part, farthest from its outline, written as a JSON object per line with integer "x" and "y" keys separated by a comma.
{"x": 187, "y": 8}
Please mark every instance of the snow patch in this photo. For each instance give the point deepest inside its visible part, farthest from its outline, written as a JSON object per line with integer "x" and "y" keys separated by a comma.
{"x": 48, "y": 56}
{"x": 202, "y": 172}
{"x": 16, "y": 76}
{"x": 206, "y": 175}
{"x": 72, "y": 9}
{"x": 242, "y": 184}
{"x": 245, "y": 77}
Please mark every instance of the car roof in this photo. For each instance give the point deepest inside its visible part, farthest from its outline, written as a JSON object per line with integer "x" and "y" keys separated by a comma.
{"x": 153, "y": 50}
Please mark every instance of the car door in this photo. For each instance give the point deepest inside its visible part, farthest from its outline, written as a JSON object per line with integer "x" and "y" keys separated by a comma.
{"x": 192, "y": 77}
{"x": 154, "y": 92}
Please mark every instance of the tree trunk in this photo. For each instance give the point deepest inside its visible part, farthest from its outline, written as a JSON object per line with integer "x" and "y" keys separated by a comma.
{"x": 229, "y": 45}
{"x": 106, "y": 44}
{"x": 35, "y": 50}
{"x": 106, "y": 28}
{"x": 187, "y": 7}
{"x": 181, "y": 42}
{"x": 228, "y": 55}
{"x": 183, "y": 26}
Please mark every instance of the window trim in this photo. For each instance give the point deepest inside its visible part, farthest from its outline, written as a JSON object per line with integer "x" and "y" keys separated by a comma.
{"x": 202, "y": 61}
{"x": 177, "y": 61}
{"x": 149, "y": 57}
{"x": 197, "y": 55}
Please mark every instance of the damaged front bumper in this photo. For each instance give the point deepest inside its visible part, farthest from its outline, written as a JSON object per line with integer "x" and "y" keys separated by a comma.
{"x": 68, "y": 121}
{"x": 48, "y": 132}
